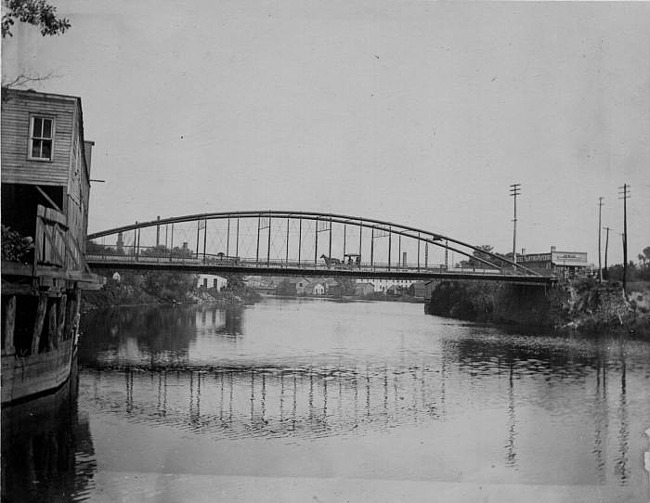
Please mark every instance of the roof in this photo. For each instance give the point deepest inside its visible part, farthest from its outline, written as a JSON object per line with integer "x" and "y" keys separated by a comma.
{"x": 298, "y": 280}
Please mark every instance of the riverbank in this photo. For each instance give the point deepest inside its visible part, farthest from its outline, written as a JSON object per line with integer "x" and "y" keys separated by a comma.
{"x": 122, "y": 294}
{"x": 583, "y": 305}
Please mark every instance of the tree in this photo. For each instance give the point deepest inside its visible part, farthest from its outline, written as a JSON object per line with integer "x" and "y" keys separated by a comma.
{"x": 483, "y": 253}
{"x": 35, "y": 12}
{"x": 644, "y": 268}
{"x": 168, "y": 285}
{"x": 348, "y": 285}
{"x": 645, "y": 257}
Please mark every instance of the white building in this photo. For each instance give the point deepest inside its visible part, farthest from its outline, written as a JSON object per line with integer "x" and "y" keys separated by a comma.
{"x": 382, "y": 285}
{"x": 211, "y": 281}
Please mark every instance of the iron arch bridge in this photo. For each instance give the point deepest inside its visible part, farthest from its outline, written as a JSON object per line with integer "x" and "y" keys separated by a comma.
{"x": 296, "y": 243}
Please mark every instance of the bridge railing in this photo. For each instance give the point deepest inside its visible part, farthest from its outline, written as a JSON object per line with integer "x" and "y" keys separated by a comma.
{"x": 217, "y": 261}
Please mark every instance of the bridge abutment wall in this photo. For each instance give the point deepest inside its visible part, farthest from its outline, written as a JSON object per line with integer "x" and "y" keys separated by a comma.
{"x": 506, "y": 303}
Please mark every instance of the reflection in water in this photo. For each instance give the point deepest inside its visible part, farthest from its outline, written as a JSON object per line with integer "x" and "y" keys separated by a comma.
{"x": 271, "y": 402}
{"x": 511, "y": 455}
{"x": 154, "y": 336}
{"x": 47, "y": 450}
{"x": 493, "y": 404}
{"x": 550, "y": 357}
{"x": 623, "y": 433}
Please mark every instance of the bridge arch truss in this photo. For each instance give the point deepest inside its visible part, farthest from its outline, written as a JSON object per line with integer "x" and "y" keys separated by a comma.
{"x": 295, "y": 239}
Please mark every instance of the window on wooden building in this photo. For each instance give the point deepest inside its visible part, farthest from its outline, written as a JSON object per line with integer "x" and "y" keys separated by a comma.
{"x": 41, "y": 138}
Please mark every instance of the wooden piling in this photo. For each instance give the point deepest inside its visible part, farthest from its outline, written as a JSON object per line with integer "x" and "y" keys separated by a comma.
{"x": 60, "y": 325}
{"x": 38, "y": 323}
{"x": 72, "y": 308}
{"x": 9, "y": 325}
{"x": 51, "y": 325}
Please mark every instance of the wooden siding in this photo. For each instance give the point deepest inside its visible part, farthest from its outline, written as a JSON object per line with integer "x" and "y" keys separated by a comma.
{"x": 17, "y": 108}
{"x": 79, "y": 184}
{"x": 68, "y": 167}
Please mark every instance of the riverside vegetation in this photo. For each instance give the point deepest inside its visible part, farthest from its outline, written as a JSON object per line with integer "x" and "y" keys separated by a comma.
{"x": 155, "y": 287}
{"x": 581, "y": 304}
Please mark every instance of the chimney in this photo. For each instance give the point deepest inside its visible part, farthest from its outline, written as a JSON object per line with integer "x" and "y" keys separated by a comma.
{"x": 553, "y": 249}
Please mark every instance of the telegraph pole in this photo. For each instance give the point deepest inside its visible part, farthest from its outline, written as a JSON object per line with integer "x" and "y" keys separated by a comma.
{"x": 515, "y": 190}
{"x": 624, "y": 195}
{"x": 600, "y": 226}
{"x": 607, "y": 229}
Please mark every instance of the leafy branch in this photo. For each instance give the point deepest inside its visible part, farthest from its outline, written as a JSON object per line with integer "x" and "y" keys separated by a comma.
{"x": 35, "y": 12}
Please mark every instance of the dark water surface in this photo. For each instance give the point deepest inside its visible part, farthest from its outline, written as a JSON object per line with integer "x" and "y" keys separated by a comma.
{"x": 294, "y": 400}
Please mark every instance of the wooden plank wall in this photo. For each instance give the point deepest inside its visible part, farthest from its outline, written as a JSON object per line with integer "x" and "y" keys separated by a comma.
{"x": 68, "y": 167}
{"x": 17, "y": 109}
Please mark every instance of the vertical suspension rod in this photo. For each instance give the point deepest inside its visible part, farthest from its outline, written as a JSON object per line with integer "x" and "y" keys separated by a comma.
{"x": 228, "y": 239}
{"x": 171, "y": 244}
{"x": 299, "y": 240}
{"x": 330, "y": 248}
{"x": 257, "y": 253}
{"x": 237, "y": 240}
{"x": 399, "y": 251}
{"x": 205, "y": 237}
{"x": 360, "y": 242}
{"x": 286, "y": 260}
{"x": 390, "y": 241}
{"x": 198, "y": 229}
{"x": 316, "y": 243}
{"x": 372, "y": 246}
{"x": 268, "y": 248}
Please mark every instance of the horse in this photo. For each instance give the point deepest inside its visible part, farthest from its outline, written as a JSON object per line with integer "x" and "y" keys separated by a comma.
{"x": 330, "y": 261}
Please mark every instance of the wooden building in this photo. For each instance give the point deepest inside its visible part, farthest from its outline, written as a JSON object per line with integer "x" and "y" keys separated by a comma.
{"x": 45, "y": 191}
{"x": 45, "y": 159}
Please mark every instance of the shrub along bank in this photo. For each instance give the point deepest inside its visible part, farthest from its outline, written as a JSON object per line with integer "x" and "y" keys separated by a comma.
{"x": 163, "y": 288}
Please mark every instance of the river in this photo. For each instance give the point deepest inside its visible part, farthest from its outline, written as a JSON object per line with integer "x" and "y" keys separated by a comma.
{"x": 317, "y": 400}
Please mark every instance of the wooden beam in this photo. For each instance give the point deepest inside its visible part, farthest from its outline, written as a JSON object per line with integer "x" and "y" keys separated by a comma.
{"x": 48, "y": 198}
{"x": 17, "y": 289}
{"x": 10, "y": 268}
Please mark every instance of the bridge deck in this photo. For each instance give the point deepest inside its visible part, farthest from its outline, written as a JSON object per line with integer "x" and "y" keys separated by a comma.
{"x": 277, "y": 268}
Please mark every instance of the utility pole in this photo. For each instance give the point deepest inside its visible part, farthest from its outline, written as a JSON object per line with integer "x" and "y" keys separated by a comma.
{"x": 607, "y": 229}
{"x": 600, "y": 224}
{"x": 515, "y": 190}
{"x": 624, "y": 194}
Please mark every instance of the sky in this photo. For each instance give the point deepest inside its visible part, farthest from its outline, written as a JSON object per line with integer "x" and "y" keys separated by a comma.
{"x": 415, "y": 112}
